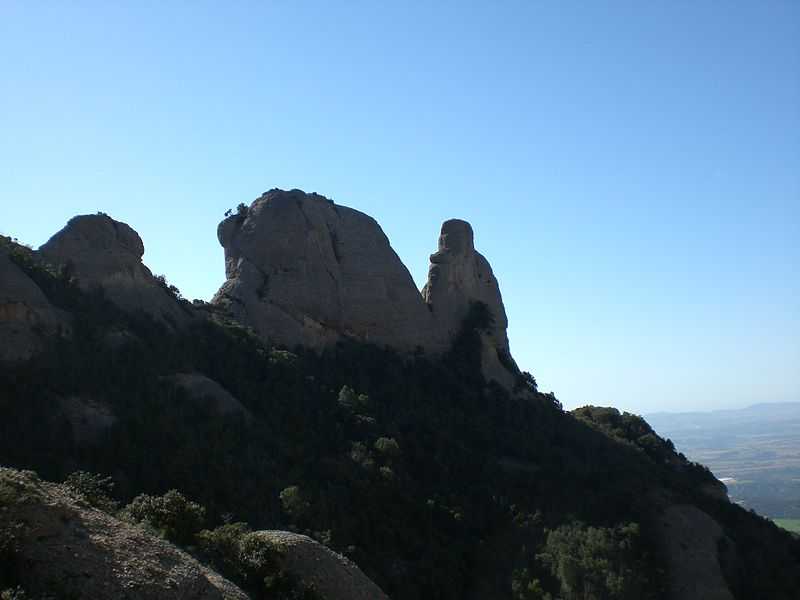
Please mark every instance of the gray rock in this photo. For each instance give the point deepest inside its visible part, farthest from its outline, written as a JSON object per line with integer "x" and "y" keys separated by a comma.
{"x": 332, "y": 575}
{"x": 88, "y": 419}
{"x": 67, "y": 545}
{"x": 689, "y": 539}
{"x": 27, "y": 318}
{"x": 209, "y": 393}
{"x": 107, "y": 253}
{"x": 302, "y": 270}
{"x": 458, "y": 276}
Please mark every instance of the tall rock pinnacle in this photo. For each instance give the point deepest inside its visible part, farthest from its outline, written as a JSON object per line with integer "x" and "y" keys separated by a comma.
{"x": 458, "y": 276}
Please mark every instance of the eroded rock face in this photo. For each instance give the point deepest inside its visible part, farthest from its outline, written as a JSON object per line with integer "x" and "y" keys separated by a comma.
{"x": 89, "y": 419}
{"x": 27, "y": 318}
{"x": 690, "y": 540}
{"x": 458, "y": 276}
{"x": 302, "y": 270}
{"x": 208, "y": 393}
{"x": 107, "y": 253}
{"x": 332, "y": 575}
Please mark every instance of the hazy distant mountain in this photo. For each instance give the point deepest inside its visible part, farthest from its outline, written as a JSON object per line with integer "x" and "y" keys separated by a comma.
{"x": 755, "y": 450}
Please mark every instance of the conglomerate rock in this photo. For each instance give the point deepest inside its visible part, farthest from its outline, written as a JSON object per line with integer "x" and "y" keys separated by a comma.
{"x": 458, "y": 276}
{"x": 332, "y": 575}
{"x": 690, "y": 540}
{"x": 99, "y": 251}
{"x": 27, "y": 318}
{"x": 302, "y": 270}
{"x": 66, "y": 545}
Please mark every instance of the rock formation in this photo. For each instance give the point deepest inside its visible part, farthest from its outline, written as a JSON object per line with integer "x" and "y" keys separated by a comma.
{"x": 27, "y": 318}
{"x": 103, "y": 252}
{"x": 85, "y": 553}
{"x": 333, "y": 576}
{"x": 304, "y": 271}
{"x": 690, "y": 540}
{"x": 208, "y": 393}
{"x": 459, "y": 276}
{"x": 88, "y": 419}
{"x": 300, "y": 270}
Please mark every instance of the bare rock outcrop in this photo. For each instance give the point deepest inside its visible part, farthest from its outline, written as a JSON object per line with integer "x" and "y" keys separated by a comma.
{"x": 332, "y": 575}
{"x": 88, "y": 419}
{"x": 302, "y": 270}
{"x": 66, "y": 545}
{"x": 27, "y": 318}
{"x": 208, "y": 393}
{"x": 100, "y": 251}
{"x": 690, "y": 541}
{"x": 458, "y": 276}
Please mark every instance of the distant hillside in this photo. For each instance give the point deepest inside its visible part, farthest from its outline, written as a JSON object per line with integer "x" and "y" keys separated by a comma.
{"x": 755, "y": 450}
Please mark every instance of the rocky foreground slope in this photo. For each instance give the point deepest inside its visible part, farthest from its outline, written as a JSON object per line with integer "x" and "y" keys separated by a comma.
{"x": 60, "y": 542}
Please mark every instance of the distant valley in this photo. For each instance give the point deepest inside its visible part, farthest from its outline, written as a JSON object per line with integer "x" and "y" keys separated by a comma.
{"x": 754, "y": 450}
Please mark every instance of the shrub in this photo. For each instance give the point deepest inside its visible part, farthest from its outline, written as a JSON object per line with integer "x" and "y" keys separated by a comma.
{"x": 596, "y": 563}
{"x": 16, "y": 593}
{"x": 525, "y": 587}
{"x": 388, "y": 447}
{"x": 350, "y": 400}
{"x": 294, "y": 502}
{"x": 220, "y": 547}
{"x": 176, "y": 517}
{"x": 93, "y": 488}
{"x": 248, "y": 558}
{"x": 527, "y": 381}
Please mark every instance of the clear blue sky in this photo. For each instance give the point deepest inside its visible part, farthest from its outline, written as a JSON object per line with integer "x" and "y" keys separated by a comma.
{"x": 631, "y": 169}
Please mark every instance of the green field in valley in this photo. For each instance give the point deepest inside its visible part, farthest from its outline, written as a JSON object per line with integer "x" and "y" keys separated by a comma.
{"x": 789, "y": 524}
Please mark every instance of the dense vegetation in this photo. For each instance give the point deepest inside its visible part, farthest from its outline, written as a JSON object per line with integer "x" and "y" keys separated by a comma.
{"x": 437, "y": 485}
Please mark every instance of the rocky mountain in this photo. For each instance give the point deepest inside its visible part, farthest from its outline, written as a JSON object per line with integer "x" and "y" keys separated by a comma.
{"x": 302, "y": 270}
{"x": 100, "y": 252}
{"x": 321, "y": 413}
